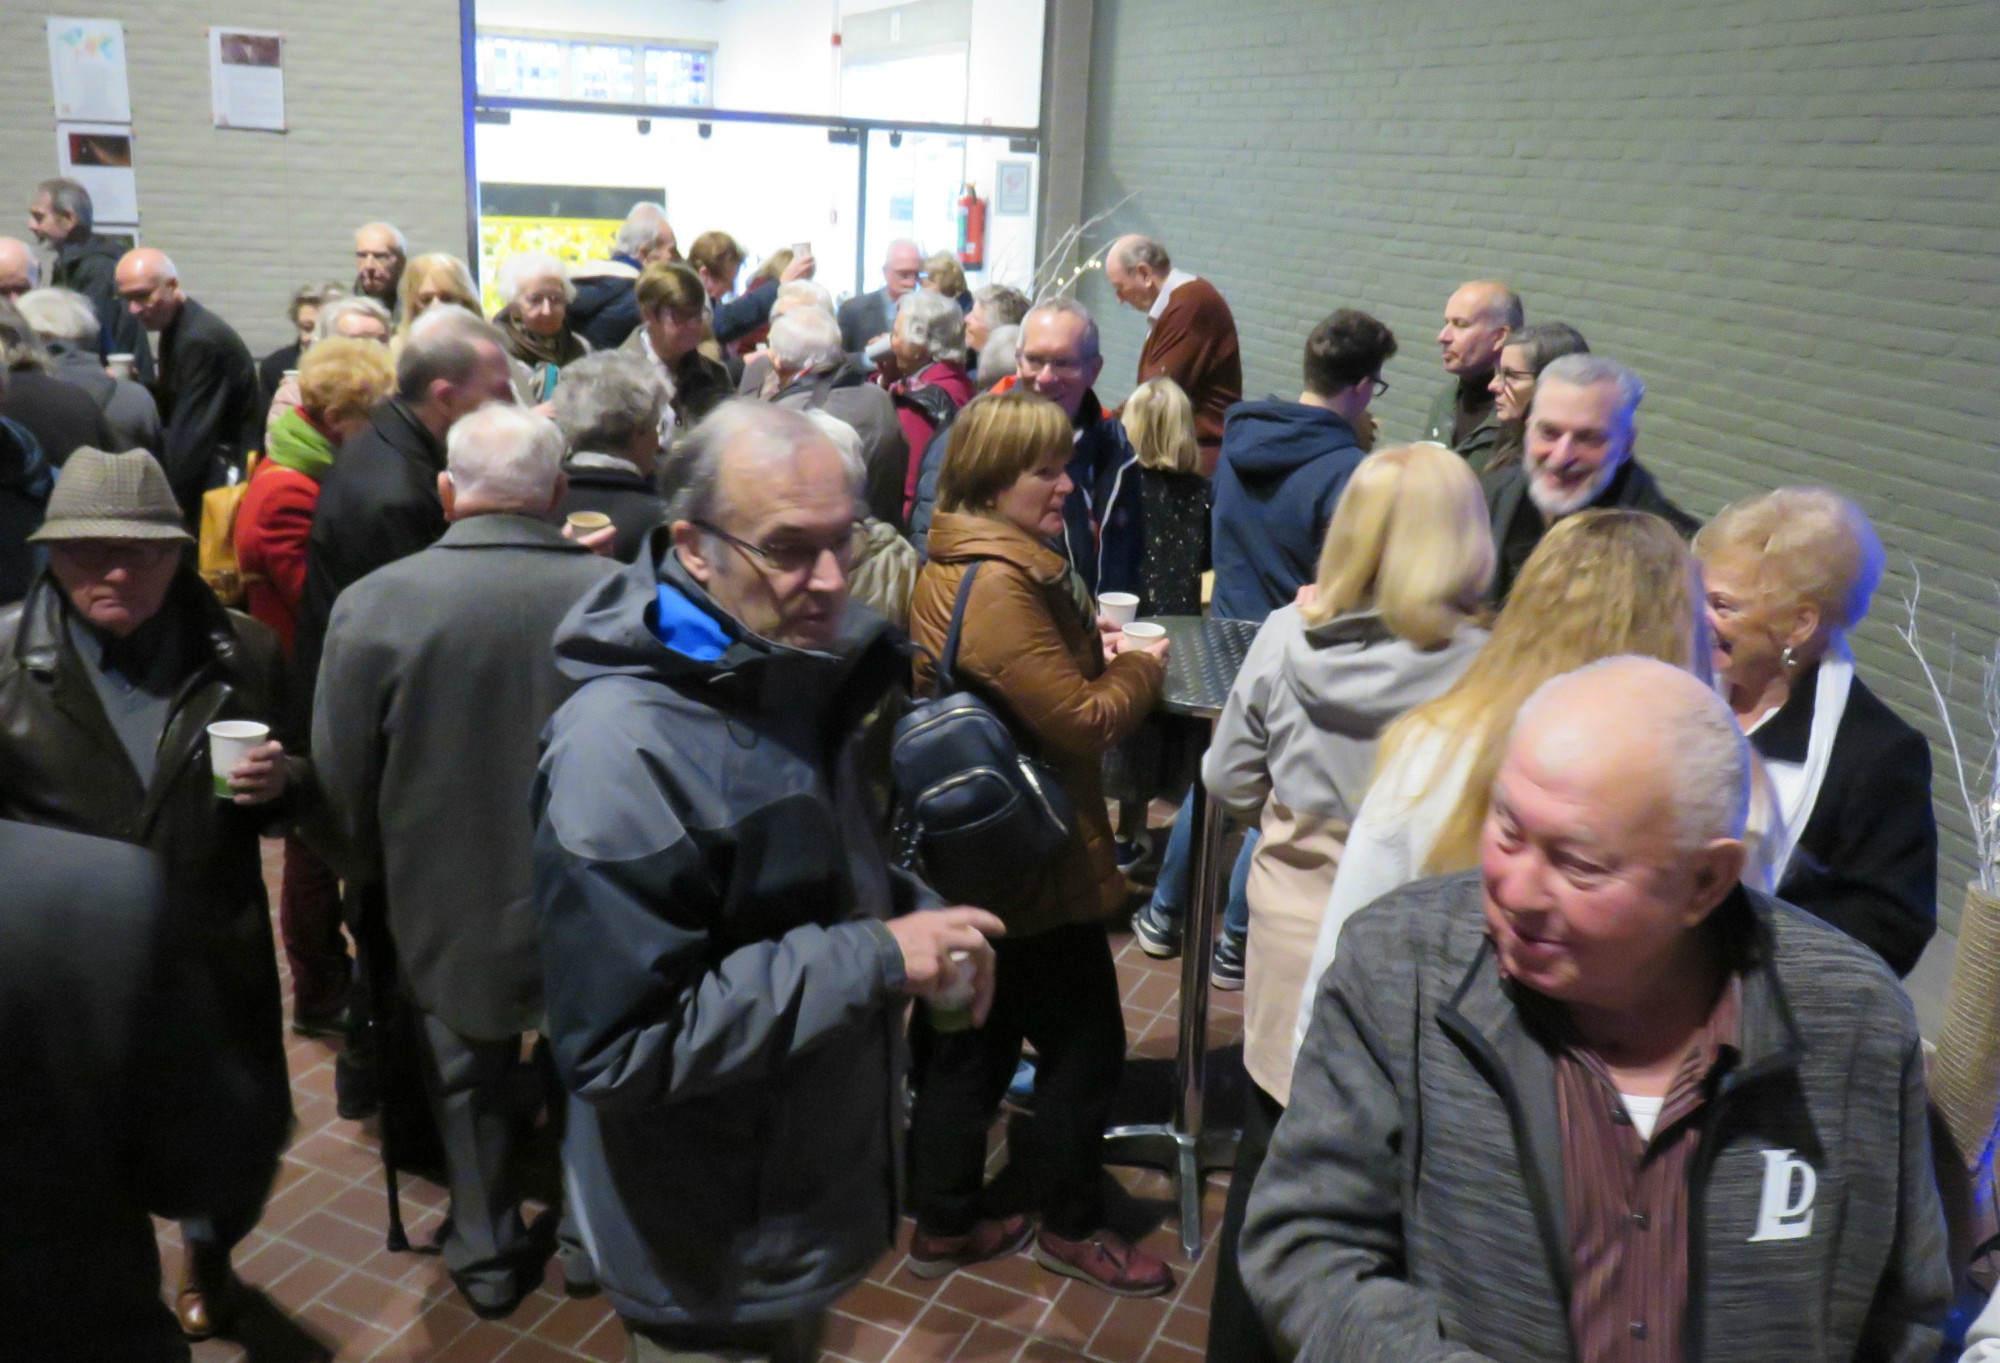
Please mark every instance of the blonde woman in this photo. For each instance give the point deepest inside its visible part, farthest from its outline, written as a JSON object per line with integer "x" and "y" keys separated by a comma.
{"x": 1601, "y": 583}
{"x": 1394, "y": 621}
{"x": 427, "y": 281}
{"x": 1853, "y": 839}
{"x": 1159, "y": 421}
{"x": 943, "y": 274}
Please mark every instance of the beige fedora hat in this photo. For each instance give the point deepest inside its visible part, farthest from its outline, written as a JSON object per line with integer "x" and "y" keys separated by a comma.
{"x": 102, "y": 496}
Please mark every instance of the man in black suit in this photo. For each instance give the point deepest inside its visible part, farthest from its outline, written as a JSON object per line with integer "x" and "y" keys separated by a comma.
{"x": 868, "y": 318}
{"x": 118, "y": 1083}
{"x": 61, "y": 215}
{"x": 207, "y": 386}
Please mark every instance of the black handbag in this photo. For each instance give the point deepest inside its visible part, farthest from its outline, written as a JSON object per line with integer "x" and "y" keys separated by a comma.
{"x": 984, "y": 816}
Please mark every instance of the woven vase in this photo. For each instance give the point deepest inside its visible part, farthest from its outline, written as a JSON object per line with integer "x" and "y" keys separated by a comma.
{"x": 1965, "y": 1072}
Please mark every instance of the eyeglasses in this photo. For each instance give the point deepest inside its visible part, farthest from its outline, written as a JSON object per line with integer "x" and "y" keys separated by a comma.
{"x": 1378, "y": 386}
{"x": 793, "y": 558}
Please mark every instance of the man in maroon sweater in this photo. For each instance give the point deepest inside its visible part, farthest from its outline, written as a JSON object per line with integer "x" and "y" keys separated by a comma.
{"x": 1192, "y": 336}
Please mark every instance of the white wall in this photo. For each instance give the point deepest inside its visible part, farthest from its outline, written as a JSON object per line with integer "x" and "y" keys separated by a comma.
{"x": 372, "y": 95}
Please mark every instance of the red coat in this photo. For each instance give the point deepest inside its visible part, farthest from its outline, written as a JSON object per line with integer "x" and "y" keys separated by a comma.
{"x": 272, "y": 524}
{"x": 1194, "y": 344}
{"x": 955, "y": 383}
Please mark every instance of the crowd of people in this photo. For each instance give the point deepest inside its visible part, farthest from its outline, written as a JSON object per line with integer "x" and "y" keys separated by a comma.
{"x": 566, "y": 648}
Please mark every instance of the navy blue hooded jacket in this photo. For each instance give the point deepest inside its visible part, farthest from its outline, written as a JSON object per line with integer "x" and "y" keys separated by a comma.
{"x": 1104, "y": 531}
{"x": 1282, "y": 469}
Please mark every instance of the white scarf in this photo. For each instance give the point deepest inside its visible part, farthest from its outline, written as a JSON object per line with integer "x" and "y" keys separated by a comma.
{"x": 1836, "y": 678}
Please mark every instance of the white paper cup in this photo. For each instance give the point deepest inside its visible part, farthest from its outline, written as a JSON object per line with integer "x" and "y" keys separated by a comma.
{"x": 1145, "y": 631}
{"x": 121, "y": 365}
{"x": 229, "y": 742}
{"x": 1118, "y": 607}
{"x": 588, "y": 522}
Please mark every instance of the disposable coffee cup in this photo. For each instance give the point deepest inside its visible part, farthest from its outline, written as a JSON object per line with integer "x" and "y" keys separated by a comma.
{"x": 121, "y": 365}
{"x": 229, "y": 742}
{"x": 951, "y": 1010}
{"x": 1145, "y": 631}
{"x": 587, "y": 522}
{"x": 1118, "y": 607}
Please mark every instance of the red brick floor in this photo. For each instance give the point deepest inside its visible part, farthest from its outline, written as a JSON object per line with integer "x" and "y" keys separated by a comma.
{"x": 331, "y": 1290}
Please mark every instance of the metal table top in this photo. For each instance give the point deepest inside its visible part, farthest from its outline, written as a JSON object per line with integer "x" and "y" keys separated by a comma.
{"x": 1203, "y": 657}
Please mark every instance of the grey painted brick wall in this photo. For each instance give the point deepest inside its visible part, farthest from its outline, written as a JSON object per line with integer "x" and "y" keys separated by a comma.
{"x": 1781, "y": 212}
{"x": 372, "y": 95}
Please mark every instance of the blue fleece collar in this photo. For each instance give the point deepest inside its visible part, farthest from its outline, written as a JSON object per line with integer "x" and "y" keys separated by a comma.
{"x": 686, "y": 628}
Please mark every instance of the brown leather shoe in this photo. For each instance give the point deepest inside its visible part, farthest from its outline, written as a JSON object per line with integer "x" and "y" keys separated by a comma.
{"x": 933, "y": 1256}
{"x": 1108, "y": 1260}
{"x": 209, "y": 1294}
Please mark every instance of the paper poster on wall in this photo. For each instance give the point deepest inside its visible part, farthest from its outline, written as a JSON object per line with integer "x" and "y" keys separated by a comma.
{"x": 246, "y": 70}
{"x": 87, "y": 68}
{"x": 98, "y": 156}
{"x": 1014, "y": 191}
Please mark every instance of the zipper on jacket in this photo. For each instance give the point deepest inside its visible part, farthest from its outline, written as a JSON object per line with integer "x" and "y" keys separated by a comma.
{"x": 1555, "y": 1246}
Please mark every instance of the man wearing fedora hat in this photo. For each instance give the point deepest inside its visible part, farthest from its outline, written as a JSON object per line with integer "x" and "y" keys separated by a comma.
{"x": 112, "y": 668}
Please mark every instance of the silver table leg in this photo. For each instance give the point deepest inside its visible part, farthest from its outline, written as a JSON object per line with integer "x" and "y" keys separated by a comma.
{"x": 1182, "y": 1146}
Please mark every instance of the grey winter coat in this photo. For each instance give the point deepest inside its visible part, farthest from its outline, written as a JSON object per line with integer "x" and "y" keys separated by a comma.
{"x": 724, "y": 998}
{"x": 1411, "y": 1210}
{"x": 438, "y": 675}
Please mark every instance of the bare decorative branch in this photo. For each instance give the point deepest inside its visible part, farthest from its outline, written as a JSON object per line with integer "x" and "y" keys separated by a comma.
{"x": 1980, "y": 791}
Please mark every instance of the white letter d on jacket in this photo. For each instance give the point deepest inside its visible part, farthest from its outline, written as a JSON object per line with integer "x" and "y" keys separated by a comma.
{"x": 1780, "y": 1215}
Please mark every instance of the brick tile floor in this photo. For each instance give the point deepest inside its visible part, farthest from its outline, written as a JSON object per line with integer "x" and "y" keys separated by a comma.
{"x": 328, "y": 1289}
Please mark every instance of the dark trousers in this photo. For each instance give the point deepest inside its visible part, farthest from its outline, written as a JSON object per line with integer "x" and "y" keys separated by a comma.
{"x": 1235, "y": 1334}
{"x": 1059, "y": 990}
{"x": 309, "y": 923}
{"x": 476, "y": 1097}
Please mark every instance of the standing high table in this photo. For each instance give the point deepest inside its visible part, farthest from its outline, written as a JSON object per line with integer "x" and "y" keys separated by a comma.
{"x": 1203, "y": 658}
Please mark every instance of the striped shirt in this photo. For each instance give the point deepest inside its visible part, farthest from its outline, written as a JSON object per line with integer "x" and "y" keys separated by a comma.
{"x": 1627, "y": 1196}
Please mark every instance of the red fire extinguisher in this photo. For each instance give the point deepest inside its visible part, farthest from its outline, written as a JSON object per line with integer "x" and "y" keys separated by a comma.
{"x": 971, "y": 229}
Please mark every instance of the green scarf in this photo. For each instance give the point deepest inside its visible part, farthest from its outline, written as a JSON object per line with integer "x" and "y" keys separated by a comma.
{"x": 296, "y": 445}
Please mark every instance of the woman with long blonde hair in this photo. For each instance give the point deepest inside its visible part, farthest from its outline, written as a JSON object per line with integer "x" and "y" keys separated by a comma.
{"x": 1600, "y": 584}
{"x": 1394, "y": 620}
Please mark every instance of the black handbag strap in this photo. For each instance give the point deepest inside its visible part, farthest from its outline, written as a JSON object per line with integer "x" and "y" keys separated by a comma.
{"x": 949, "y": 658}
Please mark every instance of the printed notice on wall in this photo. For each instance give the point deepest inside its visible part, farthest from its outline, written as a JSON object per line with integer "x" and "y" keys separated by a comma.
{"x": 246, "y": 69}
{"x": 87, "y": 67}
{"x": 98, "y": 156}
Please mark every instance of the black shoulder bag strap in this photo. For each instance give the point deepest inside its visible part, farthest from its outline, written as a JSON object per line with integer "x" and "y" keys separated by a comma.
{"x": 947, "y": 660}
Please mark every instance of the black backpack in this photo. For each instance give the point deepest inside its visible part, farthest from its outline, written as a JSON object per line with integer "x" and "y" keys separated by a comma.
{"x": 983, "y": 816}
{"x": 931, "y": 403}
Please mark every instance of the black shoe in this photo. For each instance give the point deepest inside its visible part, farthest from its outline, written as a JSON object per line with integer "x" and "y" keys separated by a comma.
{"x": 357, "y": 1087}
{"x": 321, "y": 1026}
{"x": 1225, "y": 966}
{"x": 1159, "y": 936}
{"x": 493, "y": 1299}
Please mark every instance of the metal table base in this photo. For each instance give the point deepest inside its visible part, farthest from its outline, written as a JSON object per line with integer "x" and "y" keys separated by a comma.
{"x": 1203, "y": 661}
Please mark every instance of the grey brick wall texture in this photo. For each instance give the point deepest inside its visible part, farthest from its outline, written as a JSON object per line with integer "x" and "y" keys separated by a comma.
{"x": 1782, "y": 213}
{"x": 372, "y": 95}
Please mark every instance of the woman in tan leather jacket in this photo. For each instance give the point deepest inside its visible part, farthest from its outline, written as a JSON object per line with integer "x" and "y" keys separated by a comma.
{"x": 1071, "y": 687}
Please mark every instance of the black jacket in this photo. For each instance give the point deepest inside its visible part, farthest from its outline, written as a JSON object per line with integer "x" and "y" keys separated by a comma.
{"x": 605, "y": 311}
{"x": 623, "y": 494}
{"x": 25, "y": 483}
{"x": 742, "y": 315}
{"x": 1518, "y": 526}
{"x": 62, "y": 416}
{"x": 1867, "y": 859}
{"x": 379, "y": 503}
{"x": 207, "y": 392}
{"x": 271, "y": 372}
{"x": 90, "y": 267}
{"x": 63, "y": 765}
{"x": 122, "y": 1098}
{"x": 700, "y": 386}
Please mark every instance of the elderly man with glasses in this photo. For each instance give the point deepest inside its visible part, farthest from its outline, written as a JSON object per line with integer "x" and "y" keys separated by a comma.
{"x": 726, "y": 955}
{"x": 1103, "y": 533}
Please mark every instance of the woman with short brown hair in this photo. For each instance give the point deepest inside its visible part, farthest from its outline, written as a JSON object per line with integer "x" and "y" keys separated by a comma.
{"x": 1033, "y": 648}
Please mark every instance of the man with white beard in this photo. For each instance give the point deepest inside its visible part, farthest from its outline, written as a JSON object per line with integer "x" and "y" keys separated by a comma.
{"x": 1578, "y": 458}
